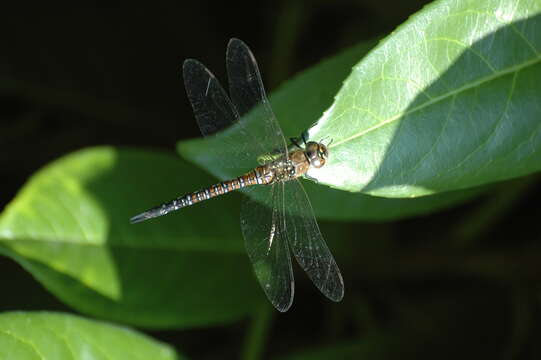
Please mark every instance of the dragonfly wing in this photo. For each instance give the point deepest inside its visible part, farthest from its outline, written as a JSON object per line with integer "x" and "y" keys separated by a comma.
{"x": 267, "y": 248}
{"x": 248, "y": 94}
{"x": 212, "y": 107}
{"x": 214, "y": 113}
{"x": 307, "y": 243}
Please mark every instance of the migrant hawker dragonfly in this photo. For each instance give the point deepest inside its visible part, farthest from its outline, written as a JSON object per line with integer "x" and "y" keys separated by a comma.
{"x": 276, "y": 216}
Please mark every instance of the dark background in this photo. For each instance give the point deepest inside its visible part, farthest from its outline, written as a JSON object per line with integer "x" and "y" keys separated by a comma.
{"x": 77, "y": 74}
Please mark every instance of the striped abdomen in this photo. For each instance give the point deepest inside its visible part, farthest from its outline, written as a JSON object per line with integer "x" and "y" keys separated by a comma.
{"x": 259, "y": 175}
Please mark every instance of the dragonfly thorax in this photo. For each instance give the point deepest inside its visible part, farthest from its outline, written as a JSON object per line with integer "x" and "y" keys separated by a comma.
{"x": 283, "y": 169}
{"x": 294, "y": 165}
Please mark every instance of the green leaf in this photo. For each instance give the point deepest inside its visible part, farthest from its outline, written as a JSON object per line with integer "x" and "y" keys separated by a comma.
{"x": 55, "y": 336}
{"x": 448, "y": 101}
{"x": 69, "y": 227}
{"x": 296, "y": 105}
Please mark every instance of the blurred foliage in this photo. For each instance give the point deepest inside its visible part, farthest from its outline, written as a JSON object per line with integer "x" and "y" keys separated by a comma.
{"x": 43, "y": 335}
{"x": 68, "y": 226}
{"x": 459, "y": 283}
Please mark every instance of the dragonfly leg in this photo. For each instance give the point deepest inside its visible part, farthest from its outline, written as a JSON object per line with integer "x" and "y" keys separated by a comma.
{"x": 303, "y": 136}
{"x": 295, "y": 141}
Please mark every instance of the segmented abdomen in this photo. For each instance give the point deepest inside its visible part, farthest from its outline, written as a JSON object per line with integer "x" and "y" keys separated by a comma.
{"x": 217, "y": 189}
{"x": 258, "y": 176}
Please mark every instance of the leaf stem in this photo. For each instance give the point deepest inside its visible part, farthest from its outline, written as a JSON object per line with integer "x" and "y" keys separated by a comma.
{"x": 522, "y": 322}
{"x": 257, "y": 333}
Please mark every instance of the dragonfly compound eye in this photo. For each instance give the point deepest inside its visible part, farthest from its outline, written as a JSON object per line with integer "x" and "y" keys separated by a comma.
{"x": 323, "y": 152}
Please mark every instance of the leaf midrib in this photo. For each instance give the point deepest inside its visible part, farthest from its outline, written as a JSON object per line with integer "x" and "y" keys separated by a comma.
{"x": 437, "y": 99}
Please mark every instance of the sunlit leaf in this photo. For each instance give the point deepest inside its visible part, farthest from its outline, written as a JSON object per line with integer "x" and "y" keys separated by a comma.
{"x": 55, "y": 336}
{"x": 69, "y": 227}
{"x": 448, "y": 101}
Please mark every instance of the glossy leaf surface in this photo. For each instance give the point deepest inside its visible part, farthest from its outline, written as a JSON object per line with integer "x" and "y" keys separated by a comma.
{"x": 448, "y": 101}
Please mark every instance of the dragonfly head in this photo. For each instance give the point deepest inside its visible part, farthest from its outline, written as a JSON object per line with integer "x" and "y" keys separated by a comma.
{"x": 317, "y": 153}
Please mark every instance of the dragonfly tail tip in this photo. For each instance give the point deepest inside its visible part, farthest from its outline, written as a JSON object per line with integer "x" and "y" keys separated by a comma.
{"x": 139, "y": 218}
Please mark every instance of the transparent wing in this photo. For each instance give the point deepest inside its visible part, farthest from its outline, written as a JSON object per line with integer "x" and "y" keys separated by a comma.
{"x": 235, "y": 148}
{"x": 248, "y": 94}
{"x": 211, "y": 106}
{"x": 307, "y": 243}
{"x": 266, "y": 244}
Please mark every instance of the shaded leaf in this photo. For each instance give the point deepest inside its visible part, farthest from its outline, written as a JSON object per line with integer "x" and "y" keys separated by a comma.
{"x": 333, "y": 204}
{"x": 69, "y": 227}
{"x": 56, "y": 336}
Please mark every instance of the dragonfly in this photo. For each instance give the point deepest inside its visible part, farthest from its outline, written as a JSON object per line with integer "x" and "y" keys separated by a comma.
{"x": 277, "y": 218}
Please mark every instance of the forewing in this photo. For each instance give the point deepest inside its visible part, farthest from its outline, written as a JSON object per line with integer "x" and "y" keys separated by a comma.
{"x": 232, "y": 145}
{"x": 248, "y": 94}
{"x": 262, "y": 224}
{"x": 307, "y": 243}
{"x": 211, "y": 106}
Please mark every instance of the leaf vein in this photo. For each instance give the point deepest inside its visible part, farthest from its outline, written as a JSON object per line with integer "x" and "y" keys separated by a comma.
{"x": 491, "y": 135}
{"x": 525, "y": 39}
{"x": 29, "y": 344}
{"x": 468, "y": 48}
{"x": 75, "y": 219}
{"x": 442, "y": 97}
{"x": 442, "y": 130}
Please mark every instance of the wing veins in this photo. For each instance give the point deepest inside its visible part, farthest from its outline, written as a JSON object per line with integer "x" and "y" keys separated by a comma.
{"x": 308, "y": 245}
{"x": 271, "y": 261}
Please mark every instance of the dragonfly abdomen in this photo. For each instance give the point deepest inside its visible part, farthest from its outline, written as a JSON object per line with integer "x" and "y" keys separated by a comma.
{"x": 257, "y": 176}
